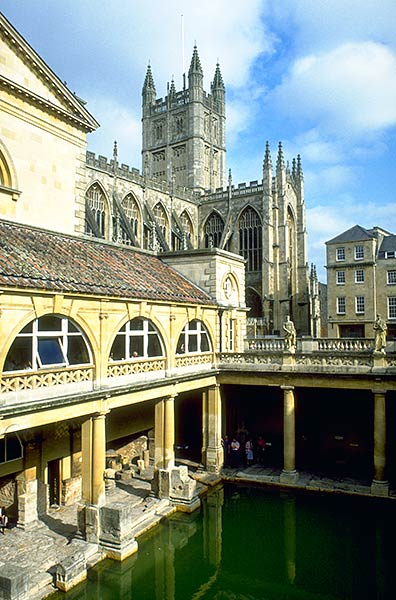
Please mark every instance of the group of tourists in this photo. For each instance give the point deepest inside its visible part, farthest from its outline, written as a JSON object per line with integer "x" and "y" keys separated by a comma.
{"x": 243, "y": 451}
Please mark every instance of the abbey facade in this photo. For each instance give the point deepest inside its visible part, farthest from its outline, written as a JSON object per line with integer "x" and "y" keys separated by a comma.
{"x": 183, "y": 200}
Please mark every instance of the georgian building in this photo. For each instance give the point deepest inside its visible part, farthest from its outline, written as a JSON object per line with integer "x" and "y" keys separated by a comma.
{"x": 361, "y": 277}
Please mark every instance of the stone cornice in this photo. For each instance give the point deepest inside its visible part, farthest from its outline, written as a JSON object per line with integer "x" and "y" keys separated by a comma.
{"x": 45, "y": 74}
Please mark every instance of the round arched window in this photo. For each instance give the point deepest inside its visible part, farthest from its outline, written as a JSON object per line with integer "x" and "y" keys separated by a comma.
{"x": 46, "y": 342}
{"x": 193, "y": 338}
{"x": 137, "y": 338}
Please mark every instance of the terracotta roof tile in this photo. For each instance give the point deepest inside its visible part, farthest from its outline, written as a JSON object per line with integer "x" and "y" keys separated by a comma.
{"x": 38, "y": 259}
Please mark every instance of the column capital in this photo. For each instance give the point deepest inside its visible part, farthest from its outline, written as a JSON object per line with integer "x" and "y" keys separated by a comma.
{"x": 378, "y": 391}
{"x": 290, "y": 388}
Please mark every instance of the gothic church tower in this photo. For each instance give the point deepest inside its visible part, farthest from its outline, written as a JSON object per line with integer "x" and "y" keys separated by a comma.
{"x": 184, "y": 133}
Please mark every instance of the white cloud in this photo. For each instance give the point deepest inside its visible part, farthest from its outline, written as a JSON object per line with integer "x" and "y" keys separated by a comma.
{"x": 350, "y": 90}
{"x": 117, "y": 124}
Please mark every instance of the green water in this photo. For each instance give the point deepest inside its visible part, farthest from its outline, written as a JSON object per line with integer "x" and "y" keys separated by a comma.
{"x": 249, "y": 543}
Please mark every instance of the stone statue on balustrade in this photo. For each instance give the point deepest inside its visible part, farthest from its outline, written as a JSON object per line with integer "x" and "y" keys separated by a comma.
{"x": 290, "y": 336}
{"x": 380, "y": 329}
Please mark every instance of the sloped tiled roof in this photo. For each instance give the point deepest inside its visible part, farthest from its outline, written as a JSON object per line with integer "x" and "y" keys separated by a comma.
{"x": 388, "y": 244}
{"x": 33, "y": 258}
{"x": 354, "y": 234}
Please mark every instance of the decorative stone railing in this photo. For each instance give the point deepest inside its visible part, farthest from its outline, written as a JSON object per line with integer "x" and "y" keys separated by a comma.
{"x": 134, "y": 367}
{"x": 192, "y": 360}
{"x": 20, "y": 386}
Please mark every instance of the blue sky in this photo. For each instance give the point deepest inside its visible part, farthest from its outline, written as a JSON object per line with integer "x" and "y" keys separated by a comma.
{"x": 318, "y": 75}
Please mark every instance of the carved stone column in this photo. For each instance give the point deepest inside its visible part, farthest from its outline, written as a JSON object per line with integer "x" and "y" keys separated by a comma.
{"x": 379, "y": 486}
{"x": 93, "y": 445}
{"x": 212, "y": 451}
{"x": 164, "y": 454}
{"x": 289, "y": 473}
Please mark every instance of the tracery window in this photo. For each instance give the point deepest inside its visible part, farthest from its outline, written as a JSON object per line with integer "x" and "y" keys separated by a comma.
{"x": 213, "y": 231}
{"x": 46, "y": 342}
{"x": 193, "y": 338}
{"x": 132, "y": 213}
{"x": 250, "y": 239}
{"x": 160, "y": 217}
{"x": 137, "y": 338}
{"x": 97, "y": 204}
{"x": 187, "y": 233}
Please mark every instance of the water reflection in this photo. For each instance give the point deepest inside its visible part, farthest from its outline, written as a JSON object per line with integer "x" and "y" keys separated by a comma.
{"x": 252, "y": 544}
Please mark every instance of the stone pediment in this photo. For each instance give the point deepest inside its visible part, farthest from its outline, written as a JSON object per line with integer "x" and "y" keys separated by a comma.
{"x": 25, "y": 73}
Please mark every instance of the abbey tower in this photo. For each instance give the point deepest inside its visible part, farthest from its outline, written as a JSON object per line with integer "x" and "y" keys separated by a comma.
{"x": 184, "y": 133}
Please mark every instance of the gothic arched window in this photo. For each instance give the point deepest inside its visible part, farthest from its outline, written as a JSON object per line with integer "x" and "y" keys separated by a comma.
{"x": 45, "y": 342}
{"x": 213, "y": 231}
{"x": 132, "y": 213}
{"x": 187, "y": 233}
{"x": 290, "y": 249}
{"x": 161, "y": 218}
{"x": 250, "y": 239}
{"x": 96, "y": 204}
{"x": 137, "y": 338}
{"x": 193, "y": 338}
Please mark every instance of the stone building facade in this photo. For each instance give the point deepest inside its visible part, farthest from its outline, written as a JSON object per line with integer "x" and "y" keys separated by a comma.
{"x": 361, "y": 275}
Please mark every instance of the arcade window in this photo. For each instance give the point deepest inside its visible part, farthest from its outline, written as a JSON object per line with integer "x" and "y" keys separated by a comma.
{"x": 392, "y": 307}
{"x": 193, "y": 338}
{"x": 340, "y": 277}
{"x": 340, "y": 254}
{"x": 137, "y": 338}
{"x": 359, "y": 252}
{"x": 391, "y": 277}
{"x": 359, "y": 305}
{"x": 46, "y": 342}
{"x": 10, "y": 448}
{"x": 359, "y": 276}
{"x": 341, "y": 305}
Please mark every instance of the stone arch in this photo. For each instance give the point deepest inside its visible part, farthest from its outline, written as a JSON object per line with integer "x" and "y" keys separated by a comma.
{"x": 133, "y": 212}
{"x": 8, "y": 174}
{"x": 194, "y": 337}
{"x": 162, "y": 219}
{"x": 251, "y": 238}
{"x": 213, "y": 229}
{"x": 97, "y": 200}
{"x": 40, "y": 345}
{"x": 188, "y": 229}
{"x": 254, "y": 302}
{"x": 138, "y": 337}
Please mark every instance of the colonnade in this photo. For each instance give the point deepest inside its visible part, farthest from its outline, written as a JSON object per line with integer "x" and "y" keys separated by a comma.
{"x": 93, "y": 447}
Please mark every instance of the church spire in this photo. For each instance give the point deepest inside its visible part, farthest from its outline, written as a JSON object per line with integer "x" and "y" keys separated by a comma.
{"x": 280, "y": 161}
{"x": 299, "y": 167}
{"x": 218, "y": 83}
{"x": 195, "y": 66}
{"x": 267, "y": 163}
{"x": 149, "y": 92}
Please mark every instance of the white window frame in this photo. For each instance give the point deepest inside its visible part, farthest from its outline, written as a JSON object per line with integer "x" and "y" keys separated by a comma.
{"x": 341, "y": 305}
{"x": 359, "y": 252}
{"x": 231, "y": 335}
{"x": 340, "y": 254}
{"x": 194, "y": 334}
{"x": 128, "y": 331}
{"x": 391, "y": 277}
{"x": 392, "y": 307}
{"x": 357, "y": 280}
{"x": 61, "y": 337}
{"x": 340, "y": 277}
{"x": 359, "y": 305}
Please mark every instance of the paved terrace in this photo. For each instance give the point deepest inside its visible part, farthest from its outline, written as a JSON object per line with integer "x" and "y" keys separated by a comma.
{"x": 37, "y": 552}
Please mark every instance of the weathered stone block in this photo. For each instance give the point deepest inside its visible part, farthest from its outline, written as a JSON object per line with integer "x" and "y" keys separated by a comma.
{"x": 13, "y": 582}
{"x": 116, "y": 538}
{"x": 71, "y": 571}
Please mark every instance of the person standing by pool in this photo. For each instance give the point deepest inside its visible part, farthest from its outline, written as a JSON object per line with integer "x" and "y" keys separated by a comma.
{"x": 235, "y": 446}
